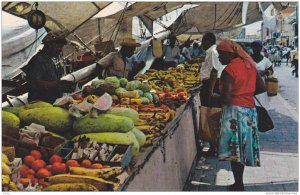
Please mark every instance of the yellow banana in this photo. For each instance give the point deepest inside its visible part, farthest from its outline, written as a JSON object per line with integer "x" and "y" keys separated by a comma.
{"x": 99, "y": 183}
{"x": 5, "y": 179}
{"x": 12, "y": 186}
{"x": 5, "y": 159}
{"x": 5, "y": 169}
{"x": 71, "y": 187}
{"x": 105, "y": 173}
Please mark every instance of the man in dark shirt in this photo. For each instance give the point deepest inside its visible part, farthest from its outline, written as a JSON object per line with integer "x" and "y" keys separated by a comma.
{"x": 43, "y": 76}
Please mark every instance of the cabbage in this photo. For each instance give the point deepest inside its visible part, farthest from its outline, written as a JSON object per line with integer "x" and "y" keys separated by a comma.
{"x": 123, "y": 82}
{"x": 149, "y": 96}
{"x": 131, "y": 86}
{"x": 114, "y": 81}
{"x": 97, "y": 83}
{"x": 120, "y": 90}
{"x": 155, "y": 98}
{"x": 145, "y": 87}
{"x": 140, "y": 92}
{"x": 145, "y": 100}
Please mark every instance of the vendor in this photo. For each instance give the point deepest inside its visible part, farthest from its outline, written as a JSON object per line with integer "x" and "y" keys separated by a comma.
{"x": 185, "y": 53}
{"x": 171, "y": 54}
{"x": 116, "y": 63}
{"x": 43, "y": 75}
{"x": 196, "y": 50}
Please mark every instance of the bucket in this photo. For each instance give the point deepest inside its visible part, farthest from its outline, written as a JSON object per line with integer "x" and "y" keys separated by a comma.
{"x": 272, "y": 86}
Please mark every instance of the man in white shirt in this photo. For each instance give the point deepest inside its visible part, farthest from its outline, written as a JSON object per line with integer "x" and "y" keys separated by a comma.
{"x": 186, "y": 51}
{"x": 171, "y": 54}
{"x": 210, "y": 71}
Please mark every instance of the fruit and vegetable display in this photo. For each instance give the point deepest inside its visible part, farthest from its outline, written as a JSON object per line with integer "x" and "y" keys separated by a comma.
{"x": 85, "y": 141}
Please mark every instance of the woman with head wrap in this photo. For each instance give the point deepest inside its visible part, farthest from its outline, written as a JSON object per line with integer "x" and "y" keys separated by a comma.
{"x": 238, "y": 140}
{"x": 264, "y": 68}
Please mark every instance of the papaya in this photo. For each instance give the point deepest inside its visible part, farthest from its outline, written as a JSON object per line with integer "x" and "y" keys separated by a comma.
{"x": 55, "y": 119}
{"x": 35, "y": 104}
{"x": 14, "y": 110}
{"x": 10, "y": 119}
{"x": 127, "y": 112}
{"x": 114, "y": 138}
{"x": 140, "y": 136}
{"x": 103, "y": 123}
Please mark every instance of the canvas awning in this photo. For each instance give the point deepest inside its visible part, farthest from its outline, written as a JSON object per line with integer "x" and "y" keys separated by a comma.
{"x": 61, "y": 16}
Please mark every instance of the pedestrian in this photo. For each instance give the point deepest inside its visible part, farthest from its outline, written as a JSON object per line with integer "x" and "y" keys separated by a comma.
{"x": 288, "y": 55}
{"x": 116, "y": 63}
{"x": 295, "y": 63}
{"x": 43, "y": 75}
{"x": 171, "y": 54}
{"x": 278, "y": 56}
{"x": 238, "y": 140}
{"x": 210, "y": 72}
{"x": 264, "y": 69}
{"x": 272, "y": 58}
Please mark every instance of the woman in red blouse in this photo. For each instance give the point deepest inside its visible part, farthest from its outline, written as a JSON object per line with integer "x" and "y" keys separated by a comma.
{"x": 238, "y": 140}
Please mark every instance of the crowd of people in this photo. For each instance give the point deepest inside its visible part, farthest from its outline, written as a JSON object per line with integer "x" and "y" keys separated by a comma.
{"x": 229, "y": 76}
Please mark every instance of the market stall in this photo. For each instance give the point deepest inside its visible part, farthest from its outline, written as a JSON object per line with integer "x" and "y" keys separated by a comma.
{"x": 114, "y": 134}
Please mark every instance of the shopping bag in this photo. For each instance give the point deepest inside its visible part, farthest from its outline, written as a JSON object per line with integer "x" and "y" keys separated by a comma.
{"x": 209, "y": 128}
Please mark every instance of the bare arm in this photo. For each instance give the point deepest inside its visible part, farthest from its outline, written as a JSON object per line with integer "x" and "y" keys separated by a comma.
{"x": 225, "y": 97}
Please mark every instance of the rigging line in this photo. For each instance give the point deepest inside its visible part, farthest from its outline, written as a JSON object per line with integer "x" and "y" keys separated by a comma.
{"x": 119, "y": 22}
{"x": 231, "y": 13}
{"x": 215, "y": 16}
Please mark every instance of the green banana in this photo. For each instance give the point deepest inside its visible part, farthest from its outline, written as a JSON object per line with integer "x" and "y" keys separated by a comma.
{"x": 70, "y": 187}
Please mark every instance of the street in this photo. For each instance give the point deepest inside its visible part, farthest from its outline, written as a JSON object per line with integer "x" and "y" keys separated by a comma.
{"x": 279, "y": 169}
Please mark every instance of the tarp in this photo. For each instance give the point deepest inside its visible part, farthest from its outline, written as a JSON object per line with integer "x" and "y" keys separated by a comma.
{"x": 221, "y": 16}
{"x": 19, "y": 42}
{"x": 108, "y": 26}
{"x": 216, "y": 17}
{"x": 61, "y": 16}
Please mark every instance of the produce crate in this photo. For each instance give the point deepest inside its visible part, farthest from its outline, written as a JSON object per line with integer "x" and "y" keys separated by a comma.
{"x": 48, "y": 145}
{"x": 125, "y": 150}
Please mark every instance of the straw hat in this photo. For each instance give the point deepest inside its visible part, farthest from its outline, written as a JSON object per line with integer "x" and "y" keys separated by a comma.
{"x": 130, "y": 42}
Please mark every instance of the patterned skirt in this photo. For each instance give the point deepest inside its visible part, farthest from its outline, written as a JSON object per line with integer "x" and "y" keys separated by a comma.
{"x": 238, "y": 139}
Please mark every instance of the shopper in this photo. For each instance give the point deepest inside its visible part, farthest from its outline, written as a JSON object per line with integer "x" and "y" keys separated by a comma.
{"x": 295, "y": 63}
{"x": 238, "y": 141}
{"x": 185, "y": 53}
{"x": 115, "y": 63}
{"x": 171, "y": 54}
{"x": 272, "y": 58}
{"x": 196, "y": 50}
{"x": 264, "y": 68}
{"x": 210, "y": 72}
{"x": 43, "y": 75}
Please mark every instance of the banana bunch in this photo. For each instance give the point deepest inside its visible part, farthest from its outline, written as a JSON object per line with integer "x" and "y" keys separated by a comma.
{"x": 7, "y": 184}
{"x": 91, "y": 98}
{"x": 105, "y": 173}
{"x": 71, "y": 187}
{"x": 68, "y": 180}
{"x": 5, "y": 165}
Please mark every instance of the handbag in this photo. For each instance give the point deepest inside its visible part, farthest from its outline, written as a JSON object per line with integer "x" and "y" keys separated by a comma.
{"x": 264, "y": 121}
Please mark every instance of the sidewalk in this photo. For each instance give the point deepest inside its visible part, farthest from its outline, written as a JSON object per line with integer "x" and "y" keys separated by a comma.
{"x": 279, "y": 158}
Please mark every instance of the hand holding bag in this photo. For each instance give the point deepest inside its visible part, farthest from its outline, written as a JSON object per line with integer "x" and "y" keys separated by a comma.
{"x": 264, "y": 121}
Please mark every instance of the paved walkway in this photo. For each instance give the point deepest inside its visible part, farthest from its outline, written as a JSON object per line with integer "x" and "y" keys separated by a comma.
{"x": 279, "y": 158}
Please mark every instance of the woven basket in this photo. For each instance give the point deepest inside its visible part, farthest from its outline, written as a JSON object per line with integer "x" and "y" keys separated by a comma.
{"x": 272, "y": 86}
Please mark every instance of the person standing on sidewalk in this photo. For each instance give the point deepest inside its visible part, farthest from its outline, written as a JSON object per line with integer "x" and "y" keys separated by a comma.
{"x": 295, "y": 63}
{"x": 210, "y": 73}
{"x": 238, "y": 141}
{"x": 264, "y": 68}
